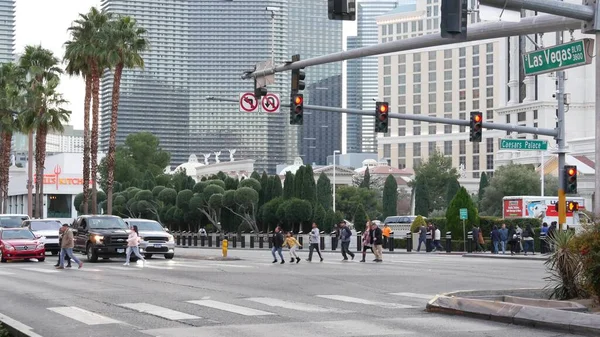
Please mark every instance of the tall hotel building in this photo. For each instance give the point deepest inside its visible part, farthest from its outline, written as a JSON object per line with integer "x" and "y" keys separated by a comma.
{"x": 7, "y": 30}
{"x": 447, "y": 81}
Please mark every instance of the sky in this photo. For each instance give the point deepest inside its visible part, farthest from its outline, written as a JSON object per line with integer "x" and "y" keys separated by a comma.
{"x": 54, "y": 17}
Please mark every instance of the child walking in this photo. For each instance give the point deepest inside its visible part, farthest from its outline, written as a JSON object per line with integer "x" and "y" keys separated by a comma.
{"x": 292, "y": 243}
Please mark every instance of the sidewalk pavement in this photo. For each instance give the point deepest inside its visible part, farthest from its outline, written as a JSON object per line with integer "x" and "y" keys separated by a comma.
{"x": 536, "y": 257}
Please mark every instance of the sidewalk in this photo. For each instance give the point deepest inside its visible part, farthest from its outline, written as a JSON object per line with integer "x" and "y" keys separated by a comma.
{"x": 536, "y": 257}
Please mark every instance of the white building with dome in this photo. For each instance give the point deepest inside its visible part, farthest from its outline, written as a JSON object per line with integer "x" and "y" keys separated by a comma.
{"x": 233, "y": 168}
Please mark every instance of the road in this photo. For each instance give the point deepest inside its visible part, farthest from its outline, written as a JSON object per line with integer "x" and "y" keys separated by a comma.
{"x": 190, "y": 297}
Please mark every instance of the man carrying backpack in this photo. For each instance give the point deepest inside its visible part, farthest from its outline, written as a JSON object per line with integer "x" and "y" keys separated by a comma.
{"x": 345, "y": 236}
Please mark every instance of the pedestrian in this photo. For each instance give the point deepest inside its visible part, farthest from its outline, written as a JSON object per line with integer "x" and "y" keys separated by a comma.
{"x": 60, "y": 235}
{"x": 480, "y": 239}
{"x": 495, "y": 239}
{"x": 550, "y": 236}
{"x": 292, "y": 244}
{"x": 346, "y": 235}
{"x": 437, "y": 237}
{"x": 386, "y": 235}
{"x": 133, "y": 243}
{"x": 313, "y": 239}
{"x": 513, "y": 238}
{"x": 503, "y": 237}
{"x": 519, "y": 232}
{"x": 476, "y": 232}
{"x": 277, "y": 245}
{"x": 422, "y": 238}
{"x": 528, "y": 239}
{"x": 66, "y": 247}
{"x": 202, "y": 232}
{"x": 376, "y": 242}
{"x": 366, "y": 241}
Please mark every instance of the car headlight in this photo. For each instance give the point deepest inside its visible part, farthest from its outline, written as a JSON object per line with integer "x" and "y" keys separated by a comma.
{"x": 98, "y": 238}
{"x": 171, "y": 239}
{"x": 9, "y": 247}
{"x": 40, "y": 246}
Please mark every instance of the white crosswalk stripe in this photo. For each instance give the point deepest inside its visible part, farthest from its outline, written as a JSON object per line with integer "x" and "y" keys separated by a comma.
{"x": 6, "y": 273}
{"x": 357, "y": 300}
{"x": 83, "y": 316}
{"x": 158, "y": 311}
{"x": 236, "y": 309}
{"x": 414, "y": 295}
{"x": 123, "y": 268}
{"x": 41, "y": 270}
{"x": 230, "y": 265}
{"x": 275, "y": 302}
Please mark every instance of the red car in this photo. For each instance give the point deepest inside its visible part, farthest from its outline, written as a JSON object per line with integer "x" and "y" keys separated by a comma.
{"x": 20, "y": 244}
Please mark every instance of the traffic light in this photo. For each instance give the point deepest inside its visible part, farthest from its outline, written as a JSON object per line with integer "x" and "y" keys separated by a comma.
{"x": 342, "y": 10}
{"x": 260, "y": 91}
{"x": 297, "y": 110}
{"x": 572, "y": 206}
{"x": 454, "y": 19}
{"x": 476, "y": 126}
{"x": 298, "y": 77}
{"x": 570, "y": 183}
{"x": 381, "y": 117}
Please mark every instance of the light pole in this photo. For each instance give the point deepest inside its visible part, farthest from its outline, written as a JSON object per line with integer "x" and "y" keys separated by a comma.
{"x": 272, "y": 10}
{"x": 334, "y": 153}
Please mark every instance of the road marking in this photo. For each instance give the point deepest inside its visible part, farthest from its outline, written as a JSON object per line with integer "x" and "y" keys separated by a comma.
{"x": 156, "y": 267}
{"x": 123, "y": 268}
{"x": 158, "y": 311}
{"x": 39, "y": 270}
{"x": 229, "y": 265}
{"x": 6, "y": 273}
{"x": 363, "y": 301}
{"x": 91, "y": 269}
{"x": 236, "y": 309}
{"x": 423, "y": 296}
{"x": 83, "y": 316}
{"x": 274, "y": 302}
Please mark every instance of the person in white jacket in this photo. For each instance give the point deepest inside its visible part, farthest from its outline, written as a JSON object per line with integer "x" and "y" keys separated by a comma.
{"x": 133, "y": 243}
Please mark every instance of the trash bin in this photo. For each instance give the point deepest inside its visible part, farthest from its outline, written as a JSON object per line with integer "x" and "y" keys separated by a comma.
{"x": 470, "y": 242}
{"x": 409, "y": 242}
{"x": 448, "y": 242}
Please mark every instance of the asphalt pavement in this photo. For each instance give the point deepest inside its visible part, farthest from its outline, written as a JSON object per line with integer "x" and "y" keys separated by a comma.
{"x": 193, "y": 296}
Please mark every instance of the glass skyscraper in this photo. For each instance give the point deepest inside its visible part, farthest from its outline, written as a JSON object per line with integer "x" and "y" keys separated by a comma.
{"x": 7, "y": 30}
{"x": 353, "y": 101}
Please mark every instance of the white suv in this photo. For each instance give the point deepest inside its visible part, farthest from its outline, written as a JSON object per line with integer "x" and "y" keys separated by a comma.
{"x": 155, "y": 238}
{"x": 47, "y": 229}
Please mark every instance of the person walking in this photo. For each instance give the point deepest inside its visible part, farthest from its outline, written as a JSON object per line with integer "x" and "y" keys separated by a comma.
{"x": 519, "y": 232}
{"x": 476, "y": 232}
{"x": 366, "y": 241}
{"x": 313, "y": 239}
{"x": 437, "y": 237}
{"x": 133, "y": 246}
{"x": 346, "y": 235}
{"x": 503, "y": 237}
{"x": 377, "y": 242}
{"x": 386, "y": 235}
{"x": 422, "y": 238}
{"x": 66, "y": 247}
{"x": 292, "y": 244}
{"x": 495, "y": 239}
{"x": 513, "y": 238}
{"x": 277, "y": 245}
{"x": 528, "y": 235}
{"x": 60, "y": 235}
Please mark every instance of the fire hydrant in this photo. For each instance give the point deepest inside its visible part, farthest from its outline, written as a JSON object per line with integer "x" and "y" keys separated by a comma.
{"x": 224, "y": 247}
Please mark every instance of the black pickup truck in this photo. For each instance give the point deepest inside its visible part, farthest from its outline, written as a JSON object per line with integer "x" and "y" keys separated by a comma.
{"x": 102, "y": 236}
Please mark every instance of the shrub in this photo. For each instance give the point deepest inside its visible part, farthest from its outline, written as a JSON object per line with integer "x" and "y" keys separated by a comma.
{"x": 565, "y": 267}
{"x": 462, "y": 199}
{"x": 587, "y": 245}
{"x": 418, "y": 222}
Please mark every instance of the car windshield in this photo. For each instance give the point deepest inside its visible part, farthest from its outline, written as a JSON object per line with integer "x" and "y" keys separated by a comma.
{"x": 147, "y": 226}
{"x": 17, "y": 234}
{"x": 107, "y": 223}
{"x": 45, "y": 225}
{"x": 11, "y": 221}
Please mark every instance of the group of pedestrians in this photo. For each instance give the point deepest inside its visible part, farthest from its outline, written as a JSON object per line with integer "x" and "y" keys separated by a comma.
{"x": 436, "y": 236}
{"x": 518, "y": 239}
{"x": 279, "y": 241}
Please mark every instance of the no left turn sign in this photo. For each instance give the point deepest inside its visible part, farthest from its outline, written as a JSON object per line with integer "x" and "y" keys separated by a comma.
{"x": 248, "y": 103}
{"x": 270, "y": 103}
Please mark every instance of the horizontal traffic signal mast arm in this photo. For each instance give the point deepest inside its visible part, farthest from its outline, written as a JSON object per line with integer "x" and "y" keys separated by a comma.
{"x": 491, "y": 126}
{"x": 566, "y": 9}
{"x": 479, "y": 31}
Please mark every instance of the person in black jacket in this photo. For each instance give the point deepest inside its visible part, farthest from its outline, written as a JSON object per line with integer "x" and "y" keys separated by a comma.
{"x": 277, "y": 245}
{"x": 377, "y": 242}
{"x": 60, "y": 236}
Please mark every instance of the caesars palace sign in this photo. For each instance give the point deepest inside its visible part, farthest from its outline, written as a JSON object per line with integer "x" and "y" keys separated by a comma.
{"x": 55, "y": 179}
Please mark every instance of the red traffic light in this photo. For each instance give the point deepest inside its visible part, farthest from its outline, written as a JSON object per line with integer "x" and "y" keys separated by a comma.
{"x": 383, "y": 108}
{"x": 572, "y": 171}
{"x": 477, "y": 118}
{"x": 298, "y": 100}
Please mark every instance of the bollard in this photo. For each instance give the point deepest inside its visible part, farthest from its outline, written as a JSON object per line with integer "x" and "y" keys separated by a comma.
{"x": 261, "y": 241}
{"x": 334, "y": 240}
{"x": 224, "y": 248}
{"x": 184, "y": 240}
{"x": 210, "y": 241}
{"x": 190, "y": 239}
{"x": 408, "y": 242}
{"x": 218, "y": 241}
{"x": 270, "y": 240}
{"x": 234, "y": 241}
{"x": 322, "y": 243}
{"x": 195, "y": 240}
{"x": 243, "y": 242}
{"x": 202, "y": 241}
{"x": 359, "y": 241}
{"x": 178, "y": 236}
{"x": 252, "y": 242}
{"x": 543, "y": 244}
{"x": 391, "y": 242}
{"x": 428, "y": 243}
{"x": 470, "y": 242}
{"x": 448, "y": 242}
{"x": 300, "y": 241}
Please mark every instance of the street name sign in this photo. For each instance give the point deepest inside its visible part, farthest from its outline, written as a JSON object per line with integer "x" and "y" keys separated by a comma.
{"x": 463, "y": 214}
{"x": 564, "y": 56}
{"x": 523, "y": 144}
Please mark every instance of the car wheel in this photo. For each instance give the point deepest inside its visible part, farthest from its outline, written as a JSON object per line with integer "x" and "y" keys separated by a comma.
{"x": 169, "y": 256}
{"x": 41, "y": 259}
{"x": 148, "y": 256}
{"x": 91, "y": 254}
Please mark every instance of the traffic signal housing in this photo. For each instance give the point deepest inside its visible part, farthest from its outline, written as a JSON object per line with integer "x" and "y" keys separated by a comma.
{"x": 453, "y": 24}
{"x": 572, "y": 206}
{"x": 298, "y": 77}
{"x": 297, "y": 110}
{"x": 476, "y": 126}
{"x": 381, "y": 117}
{"x": 342, "y": 10}
{"x": 260, "y": 91}
{"x": 570, "y": 183}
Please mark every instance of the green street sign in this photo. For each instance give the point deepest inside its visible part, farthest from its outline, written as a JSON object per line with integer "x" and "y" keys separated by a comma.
{"x": 523, "y": 144}
{"x": 463, "y": 214}
{"x": 564, "y": 56}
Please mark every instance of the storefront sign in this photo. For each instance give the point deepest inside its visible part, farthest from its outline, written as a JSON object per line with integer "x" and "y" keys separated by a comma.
{"x": 57, "y": 180}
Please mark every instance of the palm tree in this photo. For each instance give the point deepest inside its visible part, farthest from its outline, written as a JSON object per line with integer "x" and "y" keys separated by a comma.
{"x": 12, "y": 85}
{"x": 43, "y": 108}
{"x": 77, "y": 66}
{"x": 88, "y": 44}
{"x": 125, "y": 43}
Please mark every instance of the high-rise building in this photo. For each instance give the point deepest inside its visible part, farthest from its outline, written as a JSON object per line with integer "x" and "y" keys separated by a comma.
{"x": 312, "y": 34}
{"x": 69, "y": 141}
{"x": 353, "y": 101}
{"x": 7, "y": 30}
{"x": 367, "y": 12}
{"x": 447, "y": 81}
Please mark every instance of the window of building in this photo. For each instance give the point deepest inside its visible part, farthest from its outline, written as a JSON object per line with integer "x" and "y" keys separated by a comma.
{"x": 475, "y": 93}
{"x": 462, "y": 51}
{"x": 489, "y": 69}
{"x": 476, "y": 60}
{"x": 432, "y": 77}
{"x": 416, "y": 67}
{"x": 387, "y": 80}
{"x": 387, "y": 91}
{"x": 401, "y": 68}
{"x": 476, "y": 175}
{"x": 432, "y": 108}
{"x": 521, "y": 116}
{"x": 417, "y": 57}
{"x": 432, "y": 66}
{"x": 448, "y": 64}
{"x": 432, "y": 55}
{"x": 475, "y": 148}
{"x": 462, "y": 161}
{"x": 447, "y": 97}
{"x": 387, "y": 150}
{"x": 489, "y": 92}
{"x": 416, "y": 149}
{"x": 475, "y": 163}
{"x": 429, "y": 23}
{"x": 447, "y": 128}
{"x": 476, "y": 50}
{"x": 432, "y": 129}
{"x": 401, "y": 89}
{"x": 401, "y": 79}
{"x": 475, "y": 105}
{"x": 401, "y": 110}
{"x": 401, "y": 150}
{"x": 447, "y": 107}
{"x": 416, "y": 162}
{"x": 402, "y": 58}
{"x": 489, "y": 103}
{"x": 432, "y": 87}
{"x": 387, "y": 71}
{"x": 432, "y": 97}
{"x": 462, "y": 73}
{"x": 462, "y": 147}
{"x": 448, "y": 75}
{"x": 535, "y": 114}
{"x": 462, "y": 106}
{"x": 447, "y": 86}
{"x": 447, "y": 53}
{"x": 475, "y": 71}
{"x": 416, "y": 109}
{"x": 402, "y": 100}
{"x": 489, "y": 114}
{"x": 475, "y": 82}
{"x": 417, "y": 130}
{"x": 462, "y": 62}
{"x": 417, "y": 88}
{"x": 416, "y": 78}
{"x": 489, "y": 81}
{"x": 489, "y": 162}
{"x": 462, "y": 84}
{"x": 387, "y": 60}
{"x": 489, "y": 58}
{"x": 401, "y": 132}
{"x": 489, "y": 47}
{"x": 448, "y": 148}
{"x": 402, "y": 163}
{"x": 417, "y": 99}
{"x": 432, "y": 147}
{"x": 462, "y": 95}
{"x": 489, "y": 144}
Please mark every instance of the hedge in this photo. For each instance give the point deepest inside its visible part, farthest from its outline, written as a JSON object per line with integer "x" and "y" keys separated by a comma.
{"x": 486, "y": 223}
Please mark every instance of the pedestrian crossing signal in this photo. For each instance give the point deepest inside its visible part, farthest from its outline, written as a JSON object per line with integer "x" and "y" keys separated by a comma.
{"x": 572, "y": 206}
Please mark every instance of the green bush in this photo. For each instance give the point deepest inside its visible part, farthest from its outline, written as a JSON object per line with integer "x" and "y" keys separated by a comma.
{"x": 462, "y": 199}
{"x": 418, "y": 222}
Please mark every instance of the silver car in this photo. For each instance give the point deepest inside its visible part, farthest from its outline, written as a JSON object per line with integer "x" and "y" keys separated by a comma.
{"x": 155, "y": 238}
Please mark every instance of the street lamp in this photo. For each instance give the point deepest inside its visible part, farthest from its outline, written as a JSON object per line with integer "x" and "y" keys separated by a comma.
{"x": 334, "y": 153}
{"x": 272, "y": 10}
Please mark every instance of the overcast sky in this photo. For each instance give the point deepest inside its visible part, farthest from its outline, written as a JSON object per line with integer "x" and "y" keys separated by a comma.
{"x": 46, "y": 22}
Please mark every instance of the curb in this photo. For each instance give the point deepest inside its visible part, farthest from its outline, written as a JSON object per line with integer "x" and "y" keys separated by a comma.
{"x": 505, "y": 257}
{"x": 477, "y": 306}
{"x": 322, "y": 251}
{"x": 16, "y": 328}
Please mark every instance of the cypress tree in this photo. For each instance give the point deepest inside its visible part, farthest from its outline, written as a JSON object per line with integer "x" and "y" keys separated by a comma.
{"x": 309, "y": 190}
{"x": 299, "y": 182}
{"x": 366, "y": 183}
{"x": 288, "y": 185}
{"x": 421, "y": 199}
{"x": 453, "y": 187}
{"x": 462, "y": 199}
{"x": 324, "y": 191}
{"x": 390, "y": 196}
{"x": 483, "y": 183}
{"x": 265, "y": 192}
{"x": 275, "y": 186}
